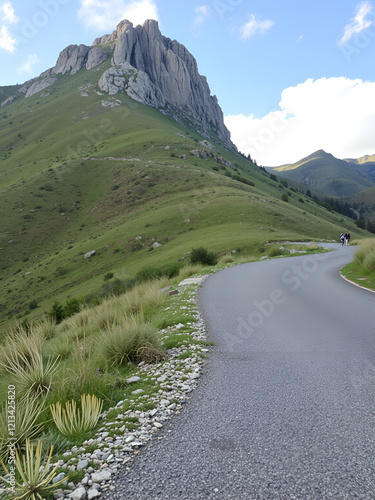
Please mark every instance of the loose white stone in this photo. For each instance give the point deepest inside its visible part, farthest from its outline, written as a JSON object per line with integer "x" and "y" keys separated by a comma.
{"x": 78, "y": 494}
{"x": 103, "y": 475}
{"x": 93, "y": 493}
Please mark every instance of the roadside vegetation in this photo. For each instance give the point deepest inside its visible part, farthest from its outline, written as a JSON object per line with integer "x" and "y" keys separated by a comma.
{"x": 65, "y": 374}
{"x": 362, "y": 269}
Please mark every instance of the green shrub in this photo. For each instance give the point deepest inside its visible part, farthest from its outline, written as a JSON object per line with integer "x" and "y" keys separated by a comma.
{"x": 170, "y": 270}
{"x": 115, "y": 288}
{"x": 72, "y": 306}
{"x": 202, "y": 256}
{"x": 274, "y": 252}
{"x": 285, "y": 197}
{"x": 242, "y": 179}
{"x": 108, "y": 276}
{"x": 147, "y": 274}
{"x": 56, "y": 312}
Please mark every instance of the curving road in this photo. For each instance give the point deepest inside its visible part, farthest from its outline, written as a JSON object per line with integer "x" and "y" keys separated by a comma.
{"x": 286, "y": 407}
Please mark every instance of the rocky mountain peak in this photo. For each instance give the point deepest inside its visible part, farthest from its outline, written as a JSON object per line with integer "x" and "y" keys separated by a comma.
{"x": 170, "y": 67}
{"x": 150, "y": 68}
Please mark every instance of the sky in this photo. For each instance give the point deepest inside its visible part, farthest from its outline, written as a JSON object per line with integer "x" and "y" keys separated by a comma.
{"x": 291, "y": 76}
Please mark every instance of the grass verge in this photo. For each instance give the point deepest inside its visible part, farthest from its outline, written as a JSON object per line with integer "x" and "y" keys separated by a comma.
{"x": 362, "y": 270}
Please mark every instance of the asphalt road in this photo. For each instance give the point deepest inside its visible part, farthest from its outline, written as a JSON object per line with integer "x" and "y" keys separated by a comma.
{"x": 286, "y": 406}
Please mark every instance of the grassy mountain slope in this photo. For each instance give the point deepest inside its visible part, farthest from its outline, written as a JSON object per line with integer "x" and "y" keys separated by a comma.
{"x": 364, "y": 200}
{"x": 77, "y": 176}
{"x": 324, "y": 173}
{"x": 365, "y": 166}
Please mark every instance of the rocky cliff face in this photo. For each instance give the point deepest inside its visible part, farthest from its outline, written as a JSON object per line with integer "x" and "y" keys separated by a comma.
{"x": 169, "y": 67}
{"x": 150, "y": 68}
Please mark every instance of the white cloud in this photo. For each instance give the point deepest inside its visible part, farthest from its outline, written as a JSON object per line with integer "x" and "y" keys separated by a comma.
{"x": 255, "y": 26}
{"x": 106, "y": 14}
{"x": 334, "y": 114}
{"x": 203, "y": 12}
{"x": 360, "y": 22}
{"x": 27, "y": 67}
{"x": 7, "y": 43}
{"x": 7, "y": 11}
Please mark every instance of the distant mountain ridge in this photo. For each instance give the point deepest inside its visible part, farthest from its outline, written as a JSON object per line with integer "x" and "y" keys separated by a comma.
{"x": 149, "y": 67}
{"x": 331, "y": 176}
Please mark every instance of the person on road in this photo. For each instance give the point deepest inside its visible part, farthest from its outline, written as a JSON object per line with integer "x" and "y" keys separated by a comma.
{"x": 342, "y": 238}
{"x": 347, "y": 238}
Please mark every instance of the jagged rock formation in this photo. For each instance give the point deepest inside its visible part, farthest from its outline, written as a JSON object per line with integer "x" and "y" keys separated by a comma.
{"x": 95, "y": 57}
{"x": 170, "y": 67}
{"x": 40, "y": 85}
{"x": 150, "y": 68}
{"x": 7, "y": 101}
{"x": 137, "y": 85}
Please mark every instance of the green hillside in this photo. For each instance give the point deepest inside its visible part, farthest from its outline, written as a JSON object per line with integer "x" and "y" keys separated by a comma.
{"x": 77, "y": 176}
{"x": 365, "y": 202}
{"x": 323, "y": 172}
{"x": 365, "y": 166}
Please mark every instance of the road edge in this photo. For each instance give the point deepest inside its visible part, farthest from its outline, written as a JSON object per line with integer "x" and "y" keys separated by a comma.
{"x": 356, "y": 284}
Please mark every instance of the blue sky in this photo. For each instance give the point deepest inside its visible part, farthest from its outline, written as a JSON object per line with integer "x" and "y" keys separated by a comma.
{"x": 291, "y": 76}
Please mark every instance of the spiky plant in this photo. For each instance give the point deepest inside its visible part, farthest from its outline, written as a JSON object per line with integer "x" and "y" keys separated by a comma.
{"x": 35, "y": 474}
{"x": 25, "y": 416}
{"x": 72, "y": 422}
{"x": 32, "y": 375}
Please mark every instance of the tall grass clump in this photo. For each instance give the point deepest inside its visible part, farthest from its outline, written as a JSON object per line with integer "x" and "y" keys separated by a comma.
{"x": 35, "y": 474}
{"x": 19, "y": 345}
{"x": 132, "y": 341}
{"x": 143, "y": 297}
{"x": 45, "y": 329}
{"x": 365, "y": 255}
{"x": 189, "y": 270}
{"x": 82, "y": 373}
